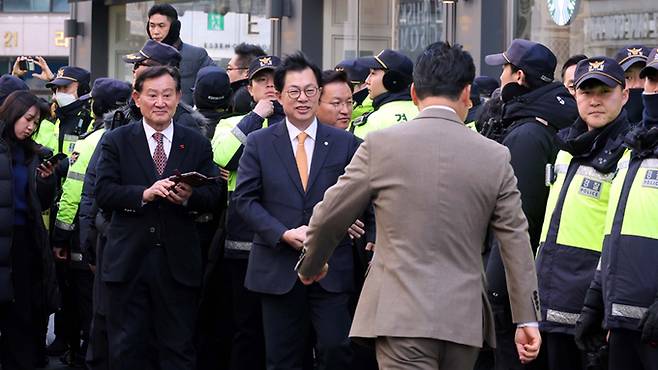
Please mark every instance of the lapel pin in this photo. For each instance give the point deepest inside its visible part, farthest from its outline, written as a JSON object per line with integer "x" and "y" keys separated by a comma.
{"x": 326, "y": 143}
{"x": 181, "y": 146}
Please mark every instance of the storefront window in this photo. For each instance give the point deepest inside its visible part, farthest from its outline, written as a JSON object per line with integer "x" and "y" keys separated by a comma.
{"x": 217, "y": 26}
{"x": 357, "y": 28}
{"x": 34, "y": 6}
{"x": 593, "y": 27}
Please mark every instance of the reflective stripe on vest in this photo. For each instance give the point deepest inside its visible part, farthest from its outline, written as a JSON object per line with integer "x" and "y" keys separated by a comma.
{"x": 624, "y": 310}
{"x": 561, "y": 317}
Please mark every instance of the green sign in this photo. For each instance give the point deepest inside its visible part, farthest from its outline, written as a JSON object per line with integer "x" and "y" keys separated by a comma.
{"x": 215, "y": 22}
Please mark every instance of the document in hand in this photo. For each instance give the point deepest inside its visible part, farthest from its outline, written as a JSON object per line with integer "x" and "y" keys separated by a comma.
{"x": 193, "y": 179}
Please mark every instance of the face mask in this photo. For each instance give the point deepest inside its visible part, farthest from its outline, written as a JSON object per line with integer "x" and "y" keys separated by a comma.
{"x": 634, "y": 106}
{"x": 64, "y": 99}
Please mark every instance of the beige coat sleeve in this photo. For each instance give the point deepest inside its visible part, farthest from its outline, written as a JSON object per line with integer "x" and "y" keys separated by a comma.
{"x": 511, "y": 228}
{"x": 341, "y": 206}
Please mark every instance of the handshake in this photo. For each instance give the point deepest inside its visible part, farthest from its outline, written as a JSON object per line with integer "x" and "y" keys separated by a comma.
{"x": 296, "y": 237}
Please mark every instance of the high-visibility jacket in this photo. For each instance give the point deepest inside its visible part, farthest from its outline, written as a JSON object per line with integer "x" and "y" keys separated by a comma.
{"x": 386, "y": 115}
{"x": 360, "y": 109}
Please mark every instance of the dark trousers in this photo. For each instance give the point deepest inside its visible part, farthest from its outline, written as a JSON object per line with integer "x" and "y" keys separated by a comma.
{"x": 248, "y": 347}
{"x": 97, "y": 356}
{"x": 626, "y": 351}
{"x": 151, "y": 319}
{"x": 287, "y": 320}
{"x": 21, "y": 319}
{"x": 562, "y": 352}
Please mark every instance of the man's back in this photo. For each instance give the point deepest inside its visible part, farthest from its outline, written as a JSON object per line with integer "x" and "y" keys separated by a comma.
{"x": 447, "y": 188}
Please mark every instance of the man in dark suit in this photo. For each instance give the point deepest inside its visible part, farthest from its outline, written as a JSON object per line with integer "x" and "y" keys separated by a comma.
{"x": 284, "y": 172}
{"x": 152, "y": 259}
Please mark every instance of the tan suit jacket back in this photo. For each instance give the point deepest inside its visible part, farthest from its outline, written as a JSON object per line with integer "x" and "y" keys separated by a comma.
{"x": 436, "y": 187}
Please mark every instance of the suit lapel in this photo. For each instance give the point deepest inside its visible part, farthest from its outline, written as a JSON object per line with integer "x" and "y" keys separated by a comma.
{"x": 283, "y": 148}
{"x": 142, "y": 153}
{"x": 322, "y": 146}
{"x": 176, "y": 154}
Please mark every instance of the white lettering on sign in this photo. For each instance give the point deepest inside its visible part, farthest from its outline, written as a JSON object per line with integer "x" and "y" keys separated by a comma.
{"x": 629, "y": 26}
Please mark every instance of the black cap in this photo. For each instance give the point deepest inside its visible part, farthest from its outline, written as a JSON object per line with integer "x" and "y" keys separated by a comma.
{"x": 629, "y": 55}
{"x": 534, "y": 59}
{"x": 603, "y": 69}
{"x": 652, "y": 64}
{"x": 356, "y": 71}
{"x": 9, "y": 84}
{"x": 109, "y": 93}
{"x": 389, "y": 60}
{"x": 486, "y": 84}
{"x": 212, "y": 88}
{"x": 261, "y": 63}
{"x": 67, "y": 75}
{"x": 157, "y": 52}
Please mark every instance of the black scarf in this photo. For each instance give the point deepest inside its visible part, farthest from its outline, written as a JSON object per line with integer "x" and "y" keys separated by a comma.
{"x": 388, "y": 97}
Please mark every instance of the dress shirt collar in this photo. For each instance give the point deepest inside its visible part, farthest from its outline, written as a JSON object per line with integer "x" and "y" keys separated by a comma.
{"x": 168, "y": 132}
{"x": 311, "y": 130}
{"x": 444, "y": 107}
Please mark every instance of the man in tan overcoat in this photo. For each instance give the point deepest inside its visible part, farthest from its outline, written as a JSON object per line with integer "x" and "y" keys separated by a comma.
{"x": 436, "y": 187}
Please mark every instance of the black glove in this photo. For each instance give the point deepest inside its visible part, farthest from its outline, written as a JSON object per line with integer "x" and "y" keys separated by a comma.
{"x": 590, "y": 335}
{"x": 649, "y": 325}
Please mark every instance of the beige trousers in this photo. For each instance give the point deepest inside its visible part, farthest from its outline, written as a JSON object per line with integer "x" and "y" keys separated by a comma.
{"x": 398, "y": 353}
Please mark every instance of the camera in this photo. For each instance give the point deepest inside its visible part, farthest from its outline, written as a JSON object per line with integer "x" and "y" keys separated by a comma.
{"x": 26, "y": 65}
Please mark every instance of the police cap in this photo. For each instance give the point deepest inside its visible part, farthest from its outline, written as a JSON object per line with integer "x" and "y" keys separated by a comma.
{"x": 652, "y": 64}
{"x": 534, "y": 59}
{"x": 627, "y": 56}
{"x": 67, "y": 75}
{"x": 109, "y": 93}
{"x": 156, "y": 53}
{"x": 603, "y": 69}
{"x": 356, "y": 71}
{"x": 212, "y": 88}
{"x": 390, "y": 60}
{"x": 261, "y": 63}
{"x": 9, "y": 84}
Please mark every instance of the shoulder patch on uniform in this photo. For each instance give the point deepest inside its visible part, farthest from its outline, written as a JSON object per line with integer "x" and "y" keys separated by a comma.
{"x": 651, "y": 179}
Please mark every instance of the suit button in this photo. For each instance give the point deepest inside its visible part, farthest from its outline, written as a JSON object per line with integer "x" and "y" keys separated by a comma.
{"x": 151, "y": 229}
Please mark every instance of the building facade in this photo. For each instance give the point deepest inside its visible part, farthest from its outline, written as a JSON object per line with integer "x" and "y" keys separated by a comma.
{"x": 331, "y": 30}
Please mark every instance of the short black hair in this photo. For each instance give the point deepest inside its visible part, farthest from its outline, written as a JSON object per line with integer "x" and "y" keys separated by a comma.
{"x": 330, "y": 76}
{"x": 165, "y": 9}
{"x": 155, "y": 72}
{"x": 295, "y": 62}
{"x": 572, "y": 61}
{"x": 443, "y": 70}
{"x": 247, "y": 53}
{"x": 531, "y": 81}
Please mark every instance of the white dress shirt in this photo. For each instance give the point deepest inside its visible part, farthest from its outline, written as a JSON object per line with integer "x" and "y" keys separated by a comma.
{"x": 167, "y": 133}
{"x": 444, "y": 107}
{"x": 309, "y": 143}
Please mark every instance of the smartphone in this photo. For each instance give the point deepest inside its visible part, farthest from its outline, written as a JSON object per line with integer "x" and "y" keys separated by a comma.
{"x": 26, "y": 65}
{"x": 54, "y": 159}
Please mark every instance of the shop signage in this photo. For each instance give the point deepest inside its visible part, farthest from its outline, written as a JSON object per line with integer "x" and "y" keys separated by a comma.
{"x": 630, "y": 26}
{"x": 562, "y": 11}
{"x": 420, "y": 25}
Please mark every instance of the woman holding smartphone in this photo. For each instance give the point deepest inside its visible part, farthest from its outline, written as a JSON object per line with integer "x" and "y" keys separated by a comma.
{"x": 27, "y": 290}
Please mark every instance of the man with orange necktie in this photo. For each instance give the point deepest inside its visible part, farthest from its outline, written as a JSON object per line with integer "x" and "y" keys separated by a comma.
{"x": 283, "y": 173}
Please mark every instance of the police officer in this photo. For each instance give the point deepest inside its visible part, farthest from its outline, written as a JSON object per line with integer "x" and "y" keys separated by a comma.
{"x": 388, "y": 85}
{"x": 572, "y": 234}
{"x": 357, "y": 73}
{"x": 230, "y": 137}
{"x": 154, "y": 53}
{"x": 106, "y": 94}
{"x": 238, "y": 73}
{"x": 623, "y": 297}
{"x": 212, "y": 96}
{"x": 632, "y": 59}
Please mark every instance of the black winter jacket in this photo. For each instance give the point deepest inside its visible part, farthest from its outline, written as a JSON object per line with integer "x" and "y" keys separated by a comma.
{"x": 41, "y": 193}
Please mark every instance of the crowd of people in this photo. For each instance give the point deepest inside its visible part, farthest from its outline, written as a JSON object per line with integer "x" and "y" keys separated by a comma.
{"x": 383, "y": 214}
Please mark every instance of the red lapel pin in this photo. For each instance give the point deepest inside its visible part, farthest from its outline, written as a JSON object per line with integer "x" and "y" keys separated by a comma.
{"x": 182, "y": 146}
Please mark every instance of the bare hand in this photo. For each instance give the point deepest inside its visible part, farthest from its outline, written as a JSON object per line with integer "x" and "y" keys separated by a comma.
{"x": 651, "y": 85}
{"x": 46, "y": 74}
{"x": 45, "y": 169}
{"x": 370, "y": 246}
{"x": 16, "y": 70}
{"x": 295, "y": 237}
{"x": 92, "y": 268}
{"x": 528, "y": 341}
{"x": 59, "y": 253}
{"x": 224, "y": 174}
{"x": 313, "y": 279}
{"x": 356, "y": 230}
{"x": 264, "y": 108}
{"x": 159, "y": 189}
{"x": 180, "y": 193}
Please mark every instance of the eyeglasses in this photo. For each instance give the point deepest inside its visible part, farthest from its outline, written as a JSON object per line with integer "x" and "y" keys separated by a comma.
{"x": 296, "y": 93}
{"x": 338, "y": 104}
